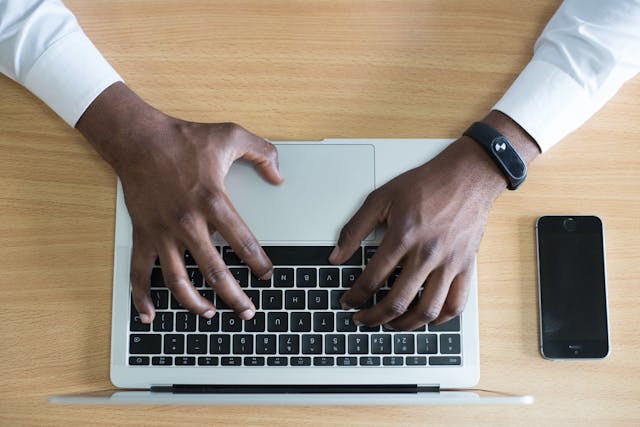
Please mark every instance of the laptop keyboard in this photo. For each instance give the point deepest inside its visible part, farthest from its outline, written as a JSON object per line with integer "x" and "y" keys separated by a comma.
{"x": 298, "y": 322}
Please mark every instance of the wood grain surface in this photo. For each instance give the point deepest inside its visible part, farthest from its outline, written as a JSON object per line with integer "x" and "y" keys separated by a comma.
{"x": 309, "y": 70}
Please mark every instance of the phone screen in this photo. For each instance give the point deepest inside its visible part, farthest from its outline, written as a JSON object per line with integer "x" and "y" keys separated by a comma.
{"x": 573, "y": 306}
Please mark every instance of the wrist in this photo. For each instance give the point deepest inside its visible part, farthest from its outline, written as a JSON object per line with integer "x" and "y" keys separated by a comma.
{"x": 115, "y": 121}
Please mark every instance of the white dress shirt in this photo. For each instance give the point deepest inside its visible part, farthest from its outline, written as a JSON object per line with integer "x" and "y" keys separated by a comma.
{"x": 586, "y": 52}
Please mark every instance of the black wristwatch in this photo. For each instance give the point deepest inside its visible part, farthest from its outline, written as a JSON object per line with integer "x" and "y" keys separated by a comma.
{"x": 501, "y": 151}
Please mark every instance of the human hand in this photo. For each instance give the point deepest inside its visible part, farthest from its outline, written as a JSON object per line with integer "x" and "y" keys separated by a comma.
{"x": 435, "y": 216}
{"x": 172, "y": 173}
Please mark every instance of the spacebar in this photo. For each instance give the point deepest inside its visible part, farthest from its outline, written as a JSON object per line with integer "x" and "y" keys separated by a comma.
{"x": 306, "y": 255}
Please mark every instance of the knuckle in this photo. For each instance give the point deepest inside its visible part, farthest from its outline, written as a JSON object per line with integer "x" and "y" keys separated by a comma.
{"x": 216, "y": 203}
{"x": 214, "y": 274}
{"x": 396, "y": 307}
{"x": 249, "y": 247}
{"x": 186, "y": 220}
{"x": 452, "y": 309}
{"x": 430, "y": 249}
{"x": 347, "y": 233}
{"x": 428, "y": 315}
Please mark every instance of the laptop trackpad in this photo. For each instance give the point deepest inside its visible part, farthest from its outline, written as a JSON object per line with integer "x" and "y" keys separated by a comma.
{"x": 324, "y": 185}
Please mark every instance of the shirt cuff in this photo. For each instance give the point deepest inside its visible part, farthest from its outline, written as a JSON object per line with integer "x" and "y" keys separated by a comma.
{"x": 69, "y": 75}
{"x": 547, "y": 103}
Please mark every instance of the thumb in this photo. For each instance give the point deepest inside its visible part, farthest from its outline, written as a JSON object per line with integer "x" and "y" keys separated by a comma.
{"x": 264, "y": 156}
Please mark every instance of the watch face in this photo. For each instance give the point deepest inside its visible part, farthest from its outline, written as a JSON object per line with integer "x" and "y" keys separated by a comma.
{"x": 511, "y": 162}
{"x": 499, "y": 144}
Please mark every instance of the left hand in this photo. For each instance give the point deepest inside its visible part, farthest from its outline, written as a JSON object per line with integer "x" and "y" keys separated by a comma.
{"x": 435, "y": 216}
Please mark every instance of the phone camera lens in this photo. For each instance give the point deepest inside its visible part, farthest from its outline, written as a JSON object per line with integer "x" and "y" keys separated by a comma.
{"x": 569, "y": 224}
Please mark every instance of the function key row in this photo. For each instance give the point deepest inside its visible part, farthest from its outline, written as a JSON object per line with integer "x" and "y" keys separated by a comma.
{"x": 295, "y": 361}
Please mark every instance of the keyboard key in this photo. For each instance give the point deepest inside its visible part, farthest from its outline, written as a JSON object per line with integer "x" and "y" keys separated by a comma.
{"x": 231, "y": 322}
{"x": 349, "y": 276}
{"x": 306, "y": 255}
{"x": 185, "y": 361}
{"x": 392, "y": 361}
{"x": 289, "y": 344}
{"x": 241, "y": 274}
{"x": 243, "y": 344}
{"x": 312, "y": 344}
{"x": 283, "y": 277}
{"x": 254, "y": 296}
{"x": 317, "y": 300}
{"x": 277, "y": 361}
{"x": 145, "y": 343}
{"x": 162, "y": 360}
{"x": 381, "y": 343}
{"x": 335, "y": 299}
{"x": 300, "y": 322}
{"x": 207, "y": 361}
{"x": 344, "y": 322}
{"x": 444, "y": 360}
{"x": 160, "y": 298}
{"x": 334, "y": 344}
{"x": 452, "y": 325}
{"x": 369, "y": 252}
{"x": 427, "y": 343}
{"x": 294, "y": 300}
{"x": 364, "y": 328}
{"x": 156, "y": 281}
{"x": 208, "y": 294}
{"x": 221, "y": 304}
{"x": 230, "y": 257}
{"x": 266, "y": 344}
{"x": 209, "y": 325}
{"x": 322, "y": 322}
{"x": 277, "y": 322}
{"x": 219, "y": 344}
{"x": 196, "y": 344}
{"x": 259, "y": 283}
{"x": 189, "y": 259}
{"x": 272, "y": 300}
{"x": 449, "y": 343}
{"x": 174, "y": 344}
{"x": 416, "y": 360}
{"x": 256, "y": 324}
{"x": 358, "y": 344}
{"x": 346, "y": 361}
{"x": 135, "y": 325}
{"x": 393, "y": 277}
{"x": 306, "y": 278}
{"x": 138, "y": 360}
{"x": 185, "y": 322}
{"x": 403, "y": 344}
{"x": 195, "y": 276}
{"x": 369, "y": 361}
{"x": 254, "y": 361}
{"x": 323, "y": 361}
{"x": 329, "y": 278}
{"x": 381, "y": 294}
{"x": 230, "y": 361}
{"x": 301, "y": 361}
{"x": 175, "y": 304}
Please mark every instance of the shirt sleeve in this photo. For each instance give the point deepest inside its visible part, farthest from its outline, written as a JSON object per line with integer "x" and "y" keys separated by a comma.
{"x": 587, "y": 51}
{"x": 43, "y": 48}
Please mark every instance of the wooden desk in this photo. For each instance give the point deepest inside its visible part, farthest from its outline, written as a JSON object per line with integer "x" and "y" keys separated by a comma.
{"x": 309, "y": 70}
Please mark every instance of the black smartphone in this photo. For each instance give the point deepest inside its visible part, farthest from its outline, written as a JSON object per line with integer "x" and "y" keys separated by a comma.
{"x": 572, "y": 287}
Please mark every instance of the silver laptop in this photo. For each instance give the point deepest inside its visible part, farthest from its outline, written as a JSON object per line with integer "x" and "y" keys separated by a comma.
{"x": 301, "y": 347}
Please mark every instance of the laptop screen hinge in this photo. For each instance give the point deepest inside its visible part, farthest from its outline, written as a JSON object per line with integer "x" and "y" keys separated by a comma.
{"x": 302, "y": 389}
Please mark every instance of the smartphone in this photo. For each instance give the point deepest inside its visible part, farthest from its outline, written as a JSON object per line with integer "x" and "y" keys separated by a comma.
{"x": 572, "y": 287}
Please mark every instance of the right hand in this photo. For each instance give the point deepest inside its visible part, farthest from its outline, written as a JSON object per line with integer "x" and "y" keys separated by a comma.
{"x": 172, "y": 173}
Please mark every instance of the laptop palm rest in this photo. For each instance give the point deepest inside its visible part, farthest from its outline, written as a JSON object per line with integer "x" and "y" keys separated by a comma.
{"x": 324, "y": 185}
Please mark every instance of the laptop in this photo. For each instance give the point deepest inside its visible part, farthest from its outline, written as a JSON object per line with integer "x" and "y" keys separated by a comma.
{"x": 301, "y": 347}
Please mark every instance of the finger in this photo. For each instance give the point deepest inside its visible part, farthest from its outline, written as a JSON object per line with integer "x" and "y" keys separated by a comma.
{"x": 219, "y": 278}
{"x": 457, "y": 298}
{"x": 142, "y": 260}
{"x": 176, "y": 279}
{"x": 357, "y": 228}
{"x": 401, "y": 295}
{"x": 262, "y": 154}
{"x": 224, "y": 218}
{"x": 429, "y": 305}
{"x": 383, "y": 263}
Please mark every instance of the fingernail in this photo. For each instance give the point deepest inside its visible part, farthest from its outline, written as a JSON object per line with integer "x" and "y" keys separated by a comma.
{"x": 247, "y": 314}
{"x": 145, "y": 318}
{"x": 334, "y": 254}
{"x": 209, "y": 314}
{"x": 357, "y": 322}
{"x": 345, "y": 306}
